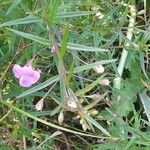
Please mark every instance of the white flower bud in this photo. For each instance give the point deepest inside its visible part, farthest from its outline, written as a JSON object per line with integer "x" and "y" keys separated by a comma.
{"x": 99, "y": 69}
{"x": 104, "y": 82}
{"x": 61, "y": 117}
{"x": 39, "y": 105}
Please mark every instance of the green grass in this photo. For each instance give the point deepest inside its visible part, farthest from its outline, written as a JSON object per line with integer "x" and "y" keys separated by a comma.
{"x": 65, "y": 40}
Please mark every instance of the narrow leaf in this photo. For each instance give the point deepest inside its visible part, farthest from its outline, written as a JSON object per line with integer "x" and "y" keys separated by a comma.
{"x": 13, "y": 6}
{"x": 74, "y": 14}
{"x": 64, "y": 43}
{"x": 53, "y": 10}
{"x": 78, "y": 47}
{"x": 108, "y": 15}
{"x": 31, "y": 37}
{"x": 70, "y": 72}
{"x": 142, "y": 61}
{"x": 96, "y": 124}
{"x": 39, "y": 87}
{"x": 26, "y": 20}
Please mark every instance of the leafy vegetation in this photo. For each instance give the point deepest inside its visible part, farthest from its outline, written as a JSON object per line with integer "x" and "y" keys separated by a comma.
{"x": 93, "y": 60}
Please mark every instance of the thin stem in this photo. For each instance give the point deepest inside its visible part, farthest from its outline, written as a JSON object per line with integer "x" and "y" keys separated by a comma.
{"x": 124, "y": 55}
{"x": 9, "y": 105}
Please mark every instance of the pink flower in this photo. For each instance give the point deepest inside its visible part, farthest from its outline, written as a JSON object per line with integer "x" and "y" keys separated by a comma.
{"x": 26, "y": 75}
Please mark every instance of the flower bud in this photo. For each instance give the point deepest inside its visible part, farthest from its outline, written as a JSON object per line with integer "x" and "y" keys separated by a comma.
{"x": 61, "y": 117}
{"x": 104, "y": 82}
{"x": 99, "y": 69}
{"x": 39, "y": 105}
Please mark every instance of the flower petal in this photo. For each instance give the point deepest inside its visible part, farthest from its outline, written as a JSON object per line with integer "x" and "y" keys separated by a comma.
{"x": 35, "y": 77}
{"x": 25, "y": 81}
{"x": 17, "y": 70}
{"x": 27, "y": 75}
{"x": 28, "y": 71}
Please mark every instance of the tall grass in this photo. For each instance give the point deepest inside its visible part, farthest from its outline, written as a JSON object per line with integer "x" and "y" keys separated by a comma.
{"x": 93, "y": 58}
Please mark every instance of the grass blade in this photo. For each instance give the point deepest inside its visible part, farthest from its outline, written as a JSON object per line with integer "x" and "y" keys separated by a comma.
{"x": 13, "y": 6}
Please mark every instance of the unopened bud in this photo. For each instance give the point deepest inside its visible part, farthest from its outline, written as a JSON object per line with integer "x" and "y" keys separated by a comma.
{"x": 84, "y": 127}
{"x": 61, "y": 117}
{"x": 99, "y": 69}
{"x": 39, "y": 105}
{"x": 104, "y": 82}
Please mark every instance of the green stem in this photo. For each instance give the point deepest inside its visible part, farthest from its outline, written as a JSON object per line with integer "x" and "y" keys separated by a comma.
{"x": 124, "y": 55}
{"x": 8, "y": 104}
